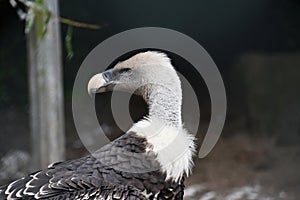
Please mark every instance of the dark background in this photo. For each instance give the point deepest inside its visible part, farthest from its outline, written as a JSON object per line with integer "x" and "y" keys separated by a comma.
{"x": 255, "y": 44}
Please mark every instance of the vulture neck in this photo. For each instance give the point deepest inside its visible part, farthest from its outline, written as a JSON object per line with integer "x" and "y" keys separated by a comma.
{"x": 165, "y": 104}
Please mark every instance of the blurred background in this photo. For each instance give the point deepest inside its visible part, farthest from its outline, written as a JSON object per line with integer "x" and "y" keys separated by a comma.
{"x": 256, "y": 46}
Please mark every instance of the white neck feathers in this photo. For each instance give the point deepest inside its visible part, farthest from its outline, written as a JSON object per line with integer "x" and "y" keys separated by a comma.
{"x": 173, "y": 146}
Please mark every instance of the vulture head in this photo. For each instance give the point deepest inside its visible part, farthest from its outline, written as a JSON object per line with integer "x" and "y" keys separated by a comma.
{"x": 149, "y": 74}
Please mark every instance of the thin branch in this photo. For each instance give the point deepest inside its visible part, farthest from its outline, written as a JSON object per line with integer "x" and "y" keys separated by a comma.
{"x": 41, "y": 8}
{"x": 78, "y": 24}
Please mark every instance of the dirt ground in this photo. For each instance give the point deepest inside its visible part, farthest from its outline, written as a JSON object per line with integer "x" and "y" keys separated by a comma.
{"x": 244, "y": 167}
{"x": 239, "y": 167}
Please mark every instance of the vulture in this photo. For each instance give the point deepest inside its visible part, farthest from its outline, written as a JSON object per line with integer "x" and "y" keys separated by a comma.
{"x": 149, "y": 161}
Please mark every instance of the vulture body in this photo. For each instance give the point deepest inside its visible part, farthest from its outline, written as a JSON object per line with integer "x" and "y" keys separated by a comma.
{"x": 150, "y": 161}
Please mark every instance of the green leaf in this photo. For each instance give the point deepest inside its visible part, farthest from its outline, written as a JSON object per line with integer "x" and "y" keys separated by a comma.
{"x": 38, "y": 5}
{"x": 29, "y": 21}
{"x": 68, "y": 43}
{"x": 46, "y": 22}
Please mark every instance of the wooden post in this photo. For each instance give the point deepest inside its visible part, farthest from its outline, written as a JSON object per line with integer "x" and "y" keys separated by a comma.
{"x": 46, "y": 91}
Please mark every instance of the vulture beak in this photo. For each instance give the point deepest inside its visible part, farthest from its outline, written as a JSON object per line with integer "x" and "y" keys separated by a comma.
{"x": 100, "y": 83}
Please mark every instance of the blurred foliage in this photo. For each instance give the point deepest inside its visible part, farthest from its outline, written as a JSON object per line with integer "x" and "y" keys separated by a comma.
{"x": 37, "y": 13}
{"x": 13, "y": 64}
{"x": 68, "y": 43}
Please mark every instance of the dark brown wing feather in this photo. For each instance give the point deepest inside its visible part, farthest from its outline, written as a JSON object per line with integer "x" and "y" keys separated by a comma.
{"x": 117, "y": 169}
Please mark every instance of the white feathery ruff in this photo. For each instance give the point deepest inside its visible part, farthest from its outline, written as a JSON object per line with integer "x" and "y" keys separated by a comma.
{"x": 173, "y": 146}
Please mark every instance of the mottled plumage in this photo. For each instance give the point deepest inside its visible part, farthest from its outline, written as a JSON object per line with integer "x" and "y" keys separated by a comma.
{"x": 99, "y": 176}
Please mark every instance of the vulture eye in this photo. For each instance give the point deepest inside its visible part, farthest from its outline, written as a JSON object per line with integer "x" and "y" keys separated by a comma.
{"x": 124, "y": 70}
